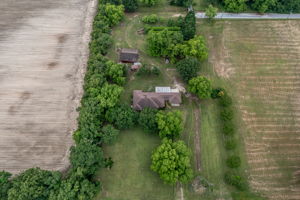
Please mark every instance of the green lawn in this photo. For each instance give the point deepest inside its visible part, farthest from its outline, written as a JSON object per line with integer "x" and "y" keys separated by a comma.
{"x": 131, "y": 177}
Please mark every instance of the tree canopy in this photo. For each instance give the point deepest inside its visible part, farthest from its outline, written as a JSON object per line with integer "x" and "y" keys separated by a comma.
{"x": 147, "y": 119}
{"x": 130, "y": 5}
{"x": 111, "y": 14}
{"x": 200, "y": 86}
{"x": 189, "y": 26}
{"x": 171, "y": 160}
{"x": 5, "y": 184}
{"x": 150, "y": 2}
{"x": 115, "y": 72}
{"x": 211, "y": 12}
{"x": 109, "y": 95}
{"x": 87, "y": 156}
{"x": 188, "y": 68}
{"x": 170, "y": 124}
{"x": 34, "y": 184}
{"x": 122, "y": 116}
{"x": 235, "y": 5}
{"x": 109, "y": 134}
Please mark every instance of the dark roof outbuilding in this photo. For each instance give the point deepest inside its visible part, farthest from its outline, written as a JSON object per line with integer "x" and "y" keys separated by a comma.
{"x": 129, "y": 55}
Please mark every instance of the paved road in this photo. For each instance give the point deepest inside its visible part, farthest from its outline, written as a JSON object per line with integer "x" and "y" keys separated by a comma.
{"x": 201, "y": 15}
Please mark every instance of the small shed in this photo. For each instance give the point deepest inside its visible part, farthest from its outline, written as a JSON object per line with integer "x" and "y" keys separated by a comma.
{"x": 129, "y": 55}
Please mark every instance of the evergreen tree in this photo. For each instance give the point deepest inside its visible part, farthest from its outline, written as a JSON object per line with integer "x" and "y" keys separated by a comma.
{"x": 189, "y": 26}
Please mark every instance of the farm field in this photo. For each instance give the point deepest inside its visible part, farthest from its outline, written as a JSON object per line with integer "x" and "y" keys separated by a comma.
{"x": 43, "y": 51}
{"x": 258, "y": 62}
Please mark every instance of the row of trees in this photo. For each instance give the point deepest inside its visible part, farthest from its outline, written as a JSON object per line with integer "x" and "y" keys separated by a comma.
{"x": 102, "y": 88}
{"x": 280, "y": 6}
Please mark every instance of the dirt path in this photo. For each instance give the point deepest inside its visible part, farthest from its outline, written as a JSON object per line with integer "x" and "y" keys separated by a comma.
{"x": 43, "y": 53}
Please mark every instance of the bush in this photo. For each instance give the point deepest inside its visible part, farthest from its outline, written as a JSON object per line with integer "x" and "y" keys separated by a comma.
{"x": 226, "y": 114}
{"x": 170, "y": 124}
{"x": 148, "y": 71}
{"x": 182, "y": 3}
{"x": 5, "y": 184}
{"x": 235, "y": 5}
{"x": 228, "y": 128}
{"x": 175, "y": 22}
{"x": 150, "y": 19}
{"x": 230, "y": 144}
{"x": 130, "y": 5}
{"x": 233, "y": 178}
{"x": 101, "y": 44}
{"x": 189, "y": 26}
{"x": 233, "y": 161}
{"x": 200, "y": 86}
{"x": 225, "y": 100}
{"x": 218, "y": 93}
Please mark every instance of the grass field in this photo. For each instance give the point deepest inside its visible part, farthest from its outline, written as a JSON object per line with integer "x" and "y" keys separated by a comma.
{"x": 259, "y": 63}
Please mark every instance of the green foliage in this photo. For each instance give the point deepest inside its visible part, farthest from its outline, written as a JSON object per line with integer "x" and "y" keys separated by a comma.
{"x": 130, "y": 5}
{"x": 150, "y": 19}
{"x": 233, "y": 161}
{"x": 115, "y": 72}
{"x": 147, "y": 119}
{"x": 170, "y": 124}
{"x": 177, "y": 22}
{"x": 189, "y": 26}
{"x": 182, "y": 3}
{"x": 228, "y": 128}
{"x": 109, "y": 134}
{"x": 111, "y": 14}
{"x": 196, "y": 47}
{"x": 5, "y": 184}
{"x": 188, "y": 68}
{"x": 34, "y": 184}
{"x": 75, "y": 187}
{"x": 226, "y": 114}
{"x": 230, "y": 144}
{"x": 122, "y": 116}
{"x": 211, "y": 12}
{"x": 233, "y": 178}
{"x": 235, "y": 5}
{"x": 246, "y": 195}
{"x": 145, "y": 70}
{"x": 225, "y": 100}
{"x": 263, "y": 5}
{"x": 200, "y": 86}
{"x": 109, "y": 95}
{"x": 148, "y": 28}
{"x": 149, "y": 2}
{"x": 171, "y": 160}
{"x": 87, "y": 156}
{"x": 218, "y": 93}
{"x": 101, "y": 44}
{"x": 162, "y": 43}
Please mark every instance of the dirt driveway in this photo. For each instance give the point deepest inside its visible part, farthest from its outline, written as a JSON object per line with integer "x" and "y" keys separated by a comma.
{"x": 43, "y": 51}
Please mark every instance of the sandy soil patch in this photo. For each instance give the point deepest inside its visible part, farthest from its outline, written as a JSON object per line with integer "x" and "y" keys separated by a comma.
{"x": 43, "y": 51}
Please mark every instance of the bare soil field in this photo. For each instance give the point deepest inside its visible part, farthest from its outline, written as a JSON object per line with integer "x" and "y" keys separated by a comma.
{"x": 43, "y": 51}
{"x": 261, "y": 62}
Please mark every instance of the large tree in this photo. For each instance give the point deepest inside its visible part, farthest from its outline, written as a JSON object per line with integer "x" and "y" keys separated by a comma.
{"x": 147, "y": 119}
{"x": 196, "y": 48}
{"x": 170, "y": 124}
{"x": 171, "y": 160}
{"x": 162, "y": 43}
{"x": 122, "y": 116}
{"x": 235, "y": 5}
{"x": 87, "y": 156}
{"x": 200, "y": 86}
{"x": 189, "y": 26}
{"x": 115, "y": 72}
{"x": 75, "y": 187}
{"x": 111, "y": 14}
{"x": 109, "y": 95}
{"x": 5, "y": 184}
{"x": 34, "y": 184}
{"x": 188, "y": 68}
{"x": 130, "y": 5}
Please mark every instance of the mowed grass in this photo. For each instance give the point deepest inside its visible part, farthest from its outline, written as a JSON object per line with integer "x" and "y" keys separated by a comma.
{"x": 258, "y": 63}
{"x": 130, "y": 177}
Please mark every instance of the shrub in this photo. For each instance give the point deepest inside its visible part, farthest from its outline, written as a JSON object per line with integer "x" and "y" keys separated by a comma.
{"x": 130, "y": 5}
{"x": 211, "y": 12}
{"x": 225, "y": 100}
{"x": 182, "y": 3}
{"x": 233, "y": 178}
{"x": 149, "y": 2}
{"x": 228, "y": 128}
{"x": 150, "y": 19}
{"x": 218, "y": 93}
{"x": 230, "y": 144}
{"x": 235, "y": 5}
{"x": 177, "y": 22}
{"x": 147, "y": 71}
{"x": 233, "y": 161}
{"x": 5, "y": 184}
{"x": 101, "y": 44}
{"x": 226, "y": 114}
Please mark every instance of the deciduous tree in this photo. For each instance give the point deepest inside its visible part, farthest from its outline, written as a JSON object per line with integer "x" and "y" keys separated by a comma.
{"x": 211, "y": 12}
{"x": 5, "y": 184}
{"x": 188, "y": 68}
{"x": 189, "y": 26}
{"x": 170, "y": 124}
{"x": 122, "y": 116}
{"x": 111, "y": 14}
{"x": 171, "y": 160}
{"x": 147, "y": 119}
{"x": 109, "y": 134}
{"x": 200, "y": 86}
